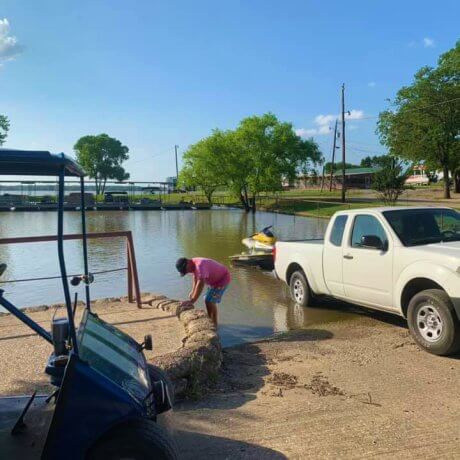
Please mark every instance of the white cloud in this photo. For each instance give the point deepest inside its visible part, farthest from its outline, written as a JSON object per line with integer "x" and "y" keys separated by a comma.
{"x": 9, "y": 46}
{"x": 302, "y": 132}
{"x": 428, "y": 42}
{"x": 324, "y": 123}
{"x": 372, "y": 84}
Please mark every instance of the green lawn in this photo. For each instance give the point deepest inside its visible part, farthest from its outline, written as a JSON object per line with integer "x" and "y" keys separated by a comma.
{"x": 313, "y": 208}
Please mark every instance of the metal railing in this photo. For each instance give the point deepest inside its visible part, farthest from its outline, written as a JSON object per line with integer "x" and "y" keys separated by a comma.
{"x": 134, "y": 294}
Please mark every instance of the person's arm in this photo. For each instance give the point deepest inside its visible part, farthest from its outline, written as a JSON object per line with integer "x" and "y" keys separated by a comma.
{"x": 198, "y": 289}
{"x": 193, "y": 287}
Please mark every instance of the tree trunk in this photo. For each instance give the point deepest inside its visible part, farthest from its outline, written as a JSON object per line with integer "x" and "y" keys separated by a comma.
{"x": 103, "y": 186}
{"x": 254, "y": 207}
{"x": 244, "y": 199}
{"x": 457, "y": 181}
{"x": 446, "y": 182}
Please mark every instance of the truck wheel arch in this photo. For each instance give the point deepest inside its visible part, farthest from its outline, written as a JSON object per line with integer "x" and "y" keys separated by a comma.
{"x": 292, "y": 268}
{"x": 295, "y": 267}
{"x": 413, "y": 287}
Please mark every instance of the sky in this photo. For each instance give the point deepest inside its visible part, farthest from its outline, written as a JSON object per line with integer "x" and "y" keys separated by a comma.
{"x": 158, "y": 73}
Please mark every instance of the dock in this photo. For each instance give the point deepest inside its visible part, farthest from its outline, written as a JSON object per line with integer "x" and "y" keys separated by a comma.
{"x": 40, "y": 207}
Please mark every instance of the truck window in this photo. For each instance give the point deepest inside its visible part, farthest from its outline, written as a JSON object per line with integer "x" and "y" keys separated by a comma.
{"x": 366, "y": 225}
{"x": 416, "y": 227}
{"x": 337, "y": 230}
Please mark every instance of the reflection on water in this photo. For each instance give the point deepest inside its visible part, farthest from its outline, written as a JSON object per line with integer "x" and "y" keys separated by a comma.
{"x": 254, "y": 306}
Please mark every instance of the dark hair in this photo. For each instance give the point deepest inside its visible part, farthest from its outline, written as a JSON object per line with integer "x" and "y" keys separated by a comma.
{"x": 181, "y": 265}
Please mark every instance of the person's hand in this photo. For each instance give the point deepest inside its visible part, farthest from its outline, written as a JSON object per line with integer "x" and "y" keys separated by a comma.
{"x": 187, "y": 303}
{"x": 190, "y": 295}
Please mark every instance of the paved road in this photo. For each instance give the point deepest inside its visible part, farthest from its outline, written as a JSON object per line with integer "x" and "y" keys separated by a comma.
{"x": 350, "y": 389}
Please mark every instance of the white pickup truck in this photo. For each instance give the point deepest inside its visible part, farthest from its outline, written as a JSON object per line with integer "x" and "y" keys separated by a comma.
{"x": 400, "y": 260}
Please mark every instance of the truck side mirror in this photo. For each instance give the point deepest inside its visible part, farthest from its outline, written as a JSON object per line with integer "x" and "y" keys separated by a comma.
{"x": 372, "y": 242}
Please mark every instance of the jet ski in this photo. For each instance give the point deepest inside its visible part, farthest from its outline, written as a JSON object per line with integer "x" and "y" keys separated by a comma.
{"x": 262, "y": 241}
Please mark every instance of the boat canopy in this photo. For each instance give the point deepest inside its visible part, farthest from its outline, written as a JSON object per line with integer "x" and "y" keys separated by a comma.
{"x": 37, "y": 163}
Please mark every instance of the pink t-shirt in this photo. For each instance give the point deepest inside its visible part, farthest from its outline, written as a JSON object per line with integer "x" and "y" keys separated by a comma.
{"x": 211, "y": 272}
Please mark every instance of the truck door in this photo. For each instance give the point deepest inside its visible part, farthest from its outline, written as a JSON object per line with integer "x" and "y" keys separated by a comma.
{"x": 332, "y": 256}
{"x": 368, "y": 271}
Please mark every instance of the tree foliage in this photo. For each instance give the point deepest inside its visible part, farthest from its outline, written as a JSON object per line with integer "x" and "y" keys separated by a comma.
{"x": 374, "y": 161}
{"x": 425, "y": 123}
{"x": 389, "y": 181}
{"x": 101, "y": 157}
{"x": 256, "y": 157}
{"x": 203, "y": 164}
{"x": 4, "y": 128}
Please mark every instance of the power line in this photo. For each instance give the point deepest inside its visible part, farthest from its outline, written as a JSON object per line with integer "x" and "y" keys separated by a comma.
{"x": 370, "y": 117}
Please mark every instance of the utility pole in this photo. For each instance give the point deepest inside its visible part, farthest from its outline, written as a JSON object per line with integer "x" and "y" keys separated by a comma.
{"x": 333, "y": 155}
{"x": 177, "y": 165}
{"x": 322, "y": 177}
{"x": 343, "y": 144}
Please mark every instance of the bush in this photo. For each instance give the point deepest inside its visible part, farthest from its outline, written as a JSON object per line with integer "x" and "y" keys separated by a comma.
{"x": 390, "y": 180}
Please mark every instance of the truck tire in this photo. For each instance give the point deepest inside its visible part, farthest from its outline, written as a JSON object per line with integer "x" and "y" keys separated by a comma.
{"x": 300, "y": 290}
{"x": 433, "y": 322}
{"x": 137, "y": 440}
{"x": 159, "y": 375}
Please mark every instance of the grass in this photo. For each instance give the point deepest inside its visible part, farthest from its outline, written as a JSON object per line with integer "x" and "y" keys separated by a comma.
{"x": 313, "y": 208}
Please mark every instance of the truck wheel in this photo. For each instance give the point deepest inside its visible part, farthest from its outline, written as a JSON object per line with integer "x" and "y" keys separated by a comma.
{"x": 159, "y": 375}
{"x": 300, "y": 290}
{"x": 137, "y": 440}
{"x": 433, "y": 322}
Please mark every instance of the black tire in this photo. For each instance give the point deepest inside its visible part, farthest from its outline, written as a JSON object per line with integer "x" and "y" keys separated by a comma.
{"x": 301, "y": 293}
{"x": 433, "y": 323}
{"x": 156, "y": 375}
{"x": 137, "y": 440}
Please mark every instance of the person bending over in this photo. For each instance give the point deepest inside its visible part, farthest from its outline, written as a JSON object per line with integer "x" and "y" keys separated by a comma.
{"x": 205, "y": 272}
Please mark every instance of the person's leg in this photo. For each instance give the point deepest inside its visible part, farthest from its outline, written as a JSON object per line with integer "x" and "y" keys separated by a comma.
{"x": 212, "y": 299}
{"x": 211, "y": 307}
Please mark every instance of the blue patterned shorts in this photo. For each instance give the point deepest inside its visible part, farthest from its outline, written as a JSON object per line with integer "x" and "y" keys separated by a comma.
{"x": 214, "y": 295}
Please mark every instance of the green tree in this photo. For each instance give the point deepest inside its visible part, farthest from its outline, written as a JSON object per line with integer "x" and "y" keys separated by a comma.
{"x": 373, "y": 162}
{"x": 203, "y": 164}
{"x": 101, "y": 157}
{"x": 4, "y": 128}
{"x": 263, "y": 152}
{"x": 390, "y": 180}
{"x": 425, "y": 123}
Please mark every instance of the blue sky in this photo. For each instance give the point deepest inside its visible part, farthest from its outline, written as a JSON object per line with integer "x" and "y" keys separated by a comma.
{"x": 158, "y": 73}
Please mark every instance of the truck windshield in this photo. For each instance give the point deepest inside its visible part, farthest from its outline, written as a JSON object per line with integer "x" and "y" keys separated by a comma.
{"x": 416, "y": 227}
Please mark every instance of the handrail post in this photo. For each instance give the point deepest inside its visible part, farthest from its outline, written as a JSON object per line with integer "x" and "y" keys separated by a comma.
{"x": 133, "y": 264}
{"x": 130, "y": 273}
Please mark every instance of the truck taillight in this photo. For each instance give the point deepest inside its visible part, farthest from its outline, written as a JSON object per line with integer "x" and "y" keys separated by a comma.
{"x": 274, "y": 253}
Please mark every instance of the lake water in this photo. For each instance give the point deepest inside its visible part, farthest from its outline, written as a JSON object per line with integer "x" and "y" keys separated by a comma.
{"x": 255, "y": 305}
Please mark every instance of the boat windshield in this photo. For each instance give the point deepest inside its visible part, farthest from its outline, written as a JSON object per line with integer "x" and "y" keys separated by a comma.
{"x": 114, "y": 354}
{"x": 416, "y": 227}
